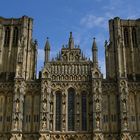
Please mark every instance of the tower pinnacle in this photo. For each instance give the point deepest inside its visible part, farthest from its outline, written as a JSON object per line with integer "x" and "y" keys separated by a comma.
{"x": 94, "y": 53}
{"x": 47, "y": 51}
{"x": 71, "y": 41}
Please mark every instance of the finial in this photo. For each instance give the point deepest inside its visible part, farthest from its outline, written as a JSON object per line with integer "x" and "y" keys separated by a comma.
{"x": 70, "y": 34}
{"x": 94, "y": 38}
{"x": 47, "y": 38}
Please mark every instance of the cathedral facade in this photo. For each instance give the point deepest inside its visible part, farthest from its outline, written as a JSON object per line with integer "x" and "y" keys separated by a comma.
{"x": 70, "y": 100}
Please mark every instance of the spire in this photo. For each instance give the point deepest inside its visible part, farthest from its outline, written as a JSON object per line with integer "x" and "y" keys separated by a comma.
{"x": 94, "y": 46}
{"x": 94, "y": 53}
{"x": 71, "y": 41}
{"x": 47, "y": 51}
{"x": 47, "y": 46}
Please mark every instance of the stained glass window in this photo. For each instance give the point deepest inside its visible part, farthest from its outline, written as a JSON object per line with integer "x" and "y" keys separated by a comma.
{"x": 84, "y": 111}
{"x": 58, "y": 111}
{"x": 71, "y": 109}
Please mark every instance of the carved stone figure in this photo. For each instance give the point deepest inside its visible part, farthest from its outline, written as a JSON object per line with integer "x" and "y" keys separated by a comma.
{"x": 97, "y": 105}
{"x": 97, "y": 122}
{"x": 44, "y": 105}
{"x": 17, "y": 105}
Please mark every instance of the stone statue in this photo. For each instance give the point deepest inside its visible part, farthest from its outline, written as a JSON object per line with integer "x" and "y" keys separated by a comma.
{"x": 44, "y": 106}
{"x": 44, "y": 125}
{"x": 125, "y": 123}
{"x": 97, "y": 122}
{"x": 16, "y": 124}
{"x": 17, "y": 105}
{"x": 97, "y": 105}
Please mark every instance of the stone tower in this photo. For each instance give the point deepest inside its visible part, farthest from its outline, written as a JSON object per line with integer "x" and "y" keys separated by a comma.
{"x": 17, "y": 49}
{"x": 122, "y": 54}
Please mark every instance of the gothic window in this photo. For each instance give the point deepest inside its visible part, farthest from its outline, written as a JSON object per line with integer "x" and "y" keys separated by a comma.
{"x": 126, "y": 39}
{"x": 71, "y": 109}
{"x": 15, "y": 36}
{"x": 7, "y": 36}
{"x": 134, "y": 37}
{"x": 58, "y": 111}
{"x": 84, "y": 111}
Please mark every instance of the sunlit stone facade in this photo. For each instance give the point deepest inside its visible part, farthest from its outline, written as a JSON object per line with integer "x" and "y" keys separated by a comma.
{"x": 70, "y": 100}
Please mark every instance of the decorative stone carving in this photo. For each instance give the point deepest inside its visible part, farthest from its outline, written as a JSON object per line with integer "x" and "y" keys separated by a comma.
{"x": 16, "y": 137}
{"x": 98, "y": 136}
{"x": 126, "y": 136}
{"x": 44, "y": 137}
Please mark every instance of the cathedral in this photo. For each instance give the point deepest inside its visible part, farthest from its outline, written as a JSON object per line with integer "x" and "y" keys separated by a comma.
{"x": 70, "y": 100}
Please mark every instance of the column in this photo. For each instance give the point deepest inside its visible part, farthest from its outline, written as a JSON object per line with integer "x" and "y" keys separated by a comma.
{"x": 97, "y": 109}
{"x": 123, "y": 89}
{"x": 17, "y": 117}
{"x": 45, "y": 110}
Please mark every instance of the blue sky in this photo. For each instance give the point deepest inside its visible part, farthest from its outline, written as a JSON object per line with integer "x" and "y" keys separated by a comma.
{"x": 85, "y": 18}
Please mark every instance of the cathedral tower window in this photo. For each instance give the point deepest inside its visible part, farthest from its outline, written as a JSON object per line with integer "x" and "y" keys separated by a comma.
{"x": 134, "y": 37}
{"x": 126, "y": 39}
{"x": 15, "y": 36}
{"x": 7, "y": 36}
{"x": 84, "y": 111}
{"x": 71, "y": 109}
{"x": 58, "y": 111}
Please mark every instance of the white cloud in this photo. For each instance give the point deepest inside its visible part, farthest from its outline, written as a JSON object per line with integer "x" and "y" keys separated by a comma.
{"x": 91, "y": 21}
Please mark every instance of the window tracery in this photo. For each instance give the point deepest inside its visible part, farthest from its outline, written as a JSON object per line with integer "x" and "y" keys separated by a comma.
{"x": 71, "y": 109}
{"x": 58, "y": 111}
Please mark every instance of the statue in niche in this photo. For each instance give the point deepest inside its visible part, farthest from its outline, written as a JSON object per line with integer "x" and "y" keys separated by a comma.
{"x": 97, "y": 122}
{"x": 51, "y": 125}
{"x": 17, "y": 105}
{"x": 64, "y": 124}
{"x": 124, "y": 104}
{"x": 51, "y": 106}
{"x": 44, "y": 124}
{"x": 125, "y": 122}
{"x": 97, "y": 105}
{"x": 16, "y": 124}
{"x": 44, "y": 106}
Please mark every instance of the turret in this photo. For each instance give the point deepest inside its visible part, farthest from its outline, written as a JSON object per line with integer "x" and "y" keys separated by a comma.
{"x": 47, "y": 51}
{"x": 71, "y": 41}
{"x": 94, "y": 53}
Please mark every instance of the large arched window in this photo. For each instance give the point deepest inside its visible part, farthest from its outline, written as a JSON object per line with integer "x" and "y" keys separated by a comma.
{"x": 126, "y": 39}
{"x": 84, "y": 111}
{"x": 134, "y": 37}
{"x": 71, "y": 109}
{"x": 58, "y": 111}
{"x": 7, "y": 36}
{"x": 15, "y": 36}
